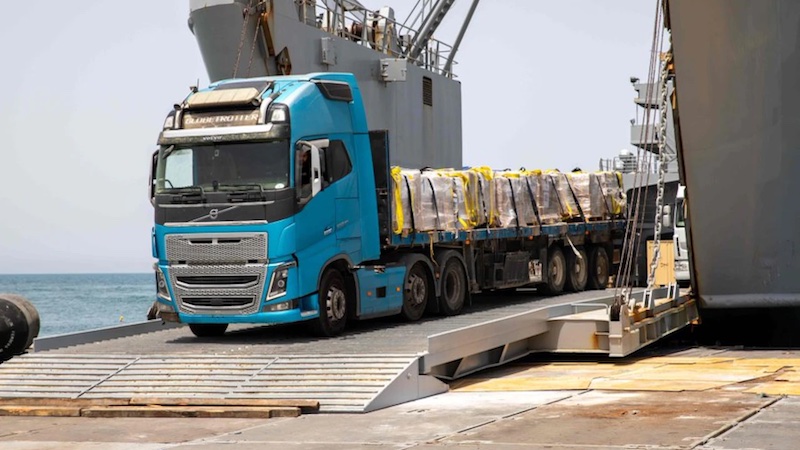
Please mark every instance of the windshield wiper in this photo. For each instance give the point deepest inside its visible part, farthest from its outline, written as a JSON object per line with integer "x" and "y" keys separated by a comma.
{"x": 187, "y": 194}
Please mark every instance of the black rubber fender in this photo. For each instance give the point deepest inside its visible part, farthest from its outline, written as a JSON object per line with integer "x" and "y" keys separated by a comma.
{"x": 19, "y": 325}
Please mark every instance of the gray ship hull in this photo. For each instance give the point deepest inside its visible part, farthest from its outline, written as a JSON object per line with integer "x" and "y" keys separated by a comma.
{"x": 421, "y": 134}
{"x": 737, "y": 66}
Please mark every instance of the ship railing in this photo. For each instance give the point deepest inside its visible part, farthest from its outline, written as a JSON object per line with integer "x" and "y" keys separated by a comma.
{"x": 350, "y": 20}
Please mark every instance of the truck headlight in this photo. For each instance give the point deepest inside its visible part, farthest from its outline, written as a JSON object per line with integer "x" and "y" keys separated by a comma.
{"x": 278, "y": 282}
{"x": 161, "y": 285}
{"x": 278, "y": 113}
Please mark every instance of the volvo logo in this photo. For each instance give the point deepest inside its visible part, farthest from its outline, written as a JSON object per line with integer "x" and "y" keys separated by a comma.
{"x": 213, "y": 214}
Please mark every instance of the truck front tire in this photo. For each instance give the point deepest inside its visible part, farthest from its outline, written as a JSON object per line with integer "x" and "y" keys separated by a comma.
{"x": 332, "y": 305}
{"x": 208, "y": 329}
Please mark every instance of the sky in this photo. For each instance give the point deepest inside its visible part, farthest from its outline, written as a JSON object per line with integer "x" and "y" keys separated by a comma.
{"x": 86, "y": 86}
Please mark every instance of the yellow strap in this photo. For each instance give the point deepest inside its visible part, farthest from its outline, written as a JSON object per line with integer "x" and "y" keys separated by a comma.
{"x": 398, "y": 199}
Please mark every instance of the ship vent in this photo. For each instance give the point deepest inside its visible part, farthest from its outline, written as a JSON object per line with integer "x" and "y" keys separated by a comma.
{"x": 427, "y": 91}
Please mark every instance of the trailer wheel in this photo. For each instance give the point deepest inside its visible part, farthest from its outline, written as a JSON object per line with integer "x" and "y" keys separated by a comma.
{"x": 19, "y": 325}
{"x": 556, "y": 271}
{"x": 454, "y": 287}
{"x": 332, "y": 305}
{"x": 577, "y": 270}
{"x": 599, "y": 268}
{"x": 416, "y": 293}
{"x": 208, "y": 329}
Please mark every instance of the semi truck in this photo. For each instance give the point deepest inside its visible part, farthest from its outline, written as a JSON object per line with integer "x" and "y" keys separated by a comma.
{"x": 682, "y": 276}
{"x": 273, "y": 204}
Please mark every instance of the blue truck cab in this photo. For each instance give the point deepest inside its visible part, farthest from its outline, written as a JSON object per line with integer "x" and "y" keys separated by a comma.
{"x": 265, "y": 205}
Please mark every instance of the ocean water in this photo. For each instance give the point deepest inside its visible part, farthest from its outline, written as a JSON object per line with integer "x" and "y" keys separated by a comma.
{"x": 69, "y": 303}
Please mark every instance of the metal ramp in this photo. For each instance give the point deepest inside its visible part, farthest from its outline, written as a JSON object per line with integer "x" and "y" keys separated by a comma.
{"x": 341, "y": 383}
{"x": 376, "y": 368}
{"x": 579, "y": 327}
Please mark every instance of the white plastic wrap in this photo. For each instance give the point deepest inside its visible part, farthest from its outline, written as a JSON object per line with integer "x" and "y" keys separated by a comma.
{"x": 484, "y": 193}
{"x": 406, "y": 186}
{"x": 437, "y": 206}
{"x": 614, "y": 192}
{"x": 587, "y": 189}
{"x": 546, "y": 197}
{"x": 514, "y": 202}
{"x": 569, "y": 209}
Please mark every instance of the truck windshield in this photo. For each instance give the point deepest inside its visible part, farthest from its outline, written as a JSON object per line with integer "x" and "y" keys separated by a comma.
{"x": 224, "y": 166}
{"x": 680, "y": 213}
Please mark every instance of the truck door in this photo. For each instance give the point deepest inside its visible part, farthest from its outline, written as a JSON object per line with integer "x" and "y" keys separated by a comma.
{"x": 339, "y": 177}
{"x": 316, "y": 220}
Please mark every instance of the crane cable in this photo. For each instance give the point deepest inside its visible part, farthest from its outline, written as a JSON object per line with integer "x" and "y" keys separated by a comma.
{"x": 662, "y": 174}
{"x": 623, "y": 277}
{"x": 253, "y": 47}
{"x": 644, "y": 158}
{"x": 245, "y": 21}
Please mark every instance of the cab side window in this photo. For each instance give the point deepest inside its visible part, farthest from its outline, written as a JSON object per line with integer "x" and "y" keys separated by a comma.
{"x": 335, "y": 162}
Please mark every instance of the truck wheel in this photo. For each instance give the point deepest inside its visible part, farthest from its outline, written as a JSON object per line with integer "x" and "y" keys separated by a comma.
{"x": 19, "y": 325}
{"x": 599, "y": 268}
{"x": 454, "y": 288}
{"x": 577, "y": 270}
{"x": 208, "y": 329}
{"x": 417, "y": 291}
{"x": 556, "y": 271}
{"x": 332, "y": 305}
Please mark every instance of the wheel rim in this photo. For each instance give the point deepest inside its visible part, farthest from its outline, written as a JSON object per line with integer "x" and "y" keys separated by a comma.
{"x": 557, "y": 271}
{"x": 336, "y": 303}
{"x": 417, "y": 288}
{"x": 579, "y": 270}
{"x": 602, "y": 267}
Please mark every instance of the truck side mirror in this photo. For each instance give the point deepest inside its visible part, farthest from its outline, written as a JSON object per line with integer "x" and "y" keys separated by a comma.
{"x": 153, "y": 170}
{"x": 666, "y": 217}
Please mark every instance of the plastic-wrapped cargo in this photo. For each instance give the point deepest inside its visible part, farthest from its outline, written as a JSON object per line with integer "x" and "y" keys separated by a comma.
{"x": 466, "y": 197}
{"x": 450, "y": 200}
{"x": 514, "y": 200}
{"x": 406, "y": 198}
{"x": 614, "y": 192}
{"x": 547, "y": 202}
{"x": 483, "y": 189}
{"x": 569, "y": 208}
{"x": 589, "y": 192}
{"x": 437, "y": 203}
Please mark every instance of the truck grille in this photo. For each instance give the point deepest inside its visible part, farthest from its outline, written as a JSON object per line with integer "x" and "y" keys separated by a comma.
{"x": 221, "y": 289}
{"x": 216, "y": 248}
{"x": 218, "y": 302}
{"x": 199, "y": 281}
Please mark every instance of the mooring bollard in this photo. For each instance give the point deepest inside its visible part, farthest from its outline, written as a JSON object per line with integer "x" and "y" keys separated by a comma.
{"x": 19, "y": 325}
